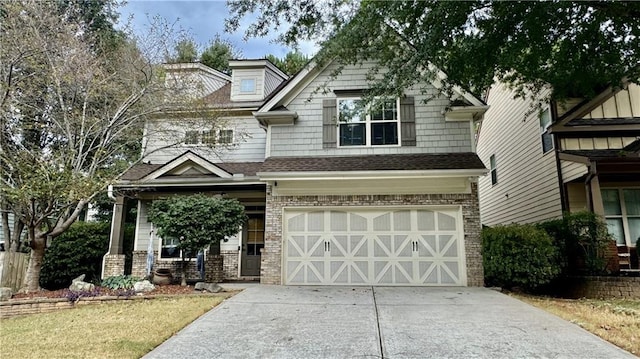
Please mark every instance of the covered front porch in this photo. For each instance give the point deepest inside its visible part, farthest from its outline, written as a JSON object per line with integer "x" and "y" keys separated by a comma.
{"x": 607, "y": 182}
{"x": 238, "y": 257}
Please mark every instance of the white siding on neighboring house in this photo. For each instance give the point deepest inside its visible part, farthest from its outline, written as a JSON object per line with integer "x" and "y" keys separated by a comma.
{"x": 304, "y": 138}
{"x": 249, "y": 141}
{"x": 625, "y": 103}
{"x": 527, "y": 189}
{"x": 255, "y": 74}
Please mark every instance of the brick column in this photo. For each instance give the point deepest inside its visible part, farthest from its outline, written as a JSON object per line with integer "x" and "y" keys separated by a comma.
{"x": 112, "y": 265}
{"x": 116, "y": 238}
{"x": 213, "y": 269}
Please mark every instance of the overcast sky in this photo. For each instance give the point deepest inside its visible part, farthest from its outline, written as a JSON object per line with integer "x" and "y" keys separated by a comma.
{"x": 203, "y": 20}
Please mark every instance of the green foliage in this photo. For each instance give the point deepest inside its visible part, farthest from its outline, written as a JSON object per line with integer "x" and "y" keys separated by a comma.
{"x": 119, "y": 282}
{"x": 218, "y": 54}
{"x": 198, "y": 221}
{"x": 581, "y": 238}
{"x": 292, "y": 62}
{"x": 186, "y": 51}
{"x": 518, "y": 256}
{"x": 576, "y": 47}
{"x": 77, "y": 251}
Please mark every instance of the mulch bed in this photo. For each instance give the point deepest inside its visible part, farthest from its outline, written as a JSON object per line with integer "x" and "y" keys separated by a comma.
{"x": 103, "y": 291}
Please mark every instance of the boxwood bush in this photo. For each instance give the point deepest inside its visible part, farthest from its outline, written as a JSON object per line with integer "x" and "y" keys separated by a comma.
{"x": 79, "y": 250}
{"x": 518, "y": 256}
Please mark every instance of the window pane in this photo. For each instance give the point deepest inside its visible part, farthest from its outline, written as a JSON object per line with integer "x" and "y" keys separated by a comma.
{"x": 632, "y": 201}
{"x": 545, "y": 120}
{"x": 191, "y": 137}
{"x": 225, "y": 136}
{"x": 247, "y": 85}
{"x": 611, "y": 202}
{"x": 386, "y": 111}
{"x": 384, "y": 133}
{"x": 634, "y": 230}
{"x": 547, "y": 142}
{"x": 614, "y": 225}
{"x": 351, "y": 111}
{"x": 209, "y": 137}
{"x": 494, "y": 177}
{"x": 353, "y": 135}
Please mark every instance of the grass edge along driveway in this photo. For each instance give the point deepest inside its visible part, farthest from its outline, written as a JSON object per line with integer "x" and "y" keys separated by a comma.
{"x": 615, "y": 320}
{"x": 122, "y": 329}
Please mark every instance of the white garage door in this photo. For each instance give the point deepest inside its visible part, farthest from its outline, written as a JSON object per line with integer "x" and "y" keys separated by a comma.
{"x": 416, "y": 246}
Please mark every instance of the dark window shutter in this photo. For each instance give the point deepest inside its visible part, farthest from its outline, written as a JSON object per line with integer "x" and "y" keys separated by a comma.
{"x": 329, "y": 123}
{"x": 408, "y": 121}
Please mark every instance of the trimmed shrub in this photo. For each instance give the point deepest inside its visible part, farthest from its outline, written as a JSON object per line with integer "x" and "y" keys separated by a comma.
{"x": 582, "y": 239}
{"x": 79, "y": 250}
{"x": 518, "y": 256}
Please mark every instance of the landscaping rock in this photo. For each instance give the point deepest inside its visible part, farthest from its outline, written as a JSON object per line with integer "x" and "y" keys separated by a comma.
{"x": 79, "y": 285}
{"x": 208, "y": 287}
{"x": 5, "y": 293}
{"x": 143, "y": 286}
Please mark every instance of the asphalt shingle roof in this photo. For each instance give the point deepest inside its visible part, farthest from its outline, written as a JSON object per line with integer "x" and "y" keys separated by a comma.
{"x": 440, "y": 161}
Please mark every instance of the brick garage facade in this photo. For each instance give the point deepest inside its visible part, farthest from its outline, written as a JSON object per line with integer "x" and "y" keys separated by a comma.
{"x": 271, "y": 268}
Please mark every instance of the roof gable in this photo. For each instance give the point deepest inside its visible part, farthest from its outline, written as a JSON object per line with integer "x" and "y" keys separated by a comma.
{"x": 187, "y": 164}
{"x": 290, "y": 89}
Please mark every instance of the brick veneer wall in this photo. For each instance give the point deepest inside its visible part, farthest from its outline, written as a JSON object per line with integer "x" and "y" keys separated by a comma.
{"x": 230, "y": 264}
{"x": 213, "y": 265}
{"x": 271, "y": 267}
{"x": 113, "y": 265}
{"x": 602, "y": 287}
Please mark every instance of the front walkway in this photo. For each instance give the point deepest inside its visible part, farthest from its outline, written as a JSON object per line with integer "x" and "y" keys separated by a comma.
{"x": 382, "y": 322}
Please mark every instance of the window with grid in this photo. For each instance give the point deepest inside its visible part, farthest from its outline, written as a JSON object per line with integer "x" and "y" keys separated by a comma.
{"x": 622, "y": 214}
{"x": 255, "y": 235}
{"x": 494, "y": 170}
{"x": 365, "y": 125}
{"x": 545, "y": 123}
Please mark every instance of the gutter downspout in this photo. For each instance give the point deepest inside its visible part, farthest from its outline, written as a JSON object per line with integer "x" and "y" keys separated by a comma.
{"x": 564, "y": 200}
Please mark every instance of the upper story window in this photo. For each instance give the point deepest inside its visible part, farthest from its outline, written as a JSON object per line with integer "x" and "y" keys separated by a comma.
{"x": 248, "y": 85}
{"x": 365, "y": 125}
{"x": 494, "y": 170}
{"x": 209, "y": 137}
{"x": 545, "y": 123}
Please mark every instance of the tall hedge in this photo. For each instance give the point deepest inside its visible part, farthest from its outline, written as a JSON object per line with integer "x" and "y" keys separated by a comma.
{"x": 518, "y": 256}
{"x": 79, "y": 250}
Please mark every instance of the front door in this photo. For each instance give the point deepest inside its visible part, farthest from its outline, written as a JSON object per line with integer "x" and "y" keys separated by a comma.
{"x": 252, "y": 244}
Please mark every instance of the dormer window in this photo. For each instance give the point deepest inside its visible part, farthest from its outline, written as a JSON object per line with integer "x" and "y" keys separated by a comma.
{"x": 248, "y": 85}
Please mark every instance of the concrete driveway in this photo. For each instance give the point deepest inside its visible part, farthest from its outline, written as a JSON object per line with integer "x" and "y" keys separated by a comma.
{"x": 381, "y": 322}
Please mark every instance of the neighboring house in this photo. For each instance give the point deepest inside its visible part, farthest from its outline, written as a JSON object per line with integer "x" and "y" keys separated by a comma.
{"x": 571, "y": 156}
{"x": 337, "y": 192}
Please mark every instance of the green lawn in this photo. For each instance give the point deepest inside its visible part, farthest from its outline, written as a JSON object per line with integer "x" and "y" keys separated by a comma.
{"x": 123, "y": 329}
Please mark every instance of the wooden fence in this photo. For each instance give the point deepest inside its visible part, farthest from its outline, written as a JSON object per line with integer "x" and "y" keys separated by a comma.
{"x": 13, "y": 269}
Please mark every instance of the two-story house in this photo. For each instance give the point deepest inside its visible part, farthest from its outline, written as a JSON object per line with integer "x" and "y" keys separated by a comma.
{"x": 568, "y": 156}
{"x": 345, "y": 191}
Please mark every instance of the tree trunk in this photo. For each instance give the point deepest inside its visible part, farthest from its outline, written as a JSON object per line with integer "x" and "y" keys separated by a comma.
{"x": 184, "y": 272}
{"x": 32, "y": 282}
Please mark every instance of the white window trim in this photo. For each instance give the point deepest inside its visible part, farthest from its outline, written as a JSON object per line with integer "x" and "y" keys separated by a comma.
{"x": 545, "y": 130}
{"x": 367, "y": 123}
{"x": 629, "y": 242}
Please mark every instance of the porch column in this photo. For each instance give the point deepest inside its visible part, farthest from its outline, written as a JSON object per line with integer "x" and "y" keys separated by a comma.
{"x": 113, "y": 261}
{"x": 595, "y": 197}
